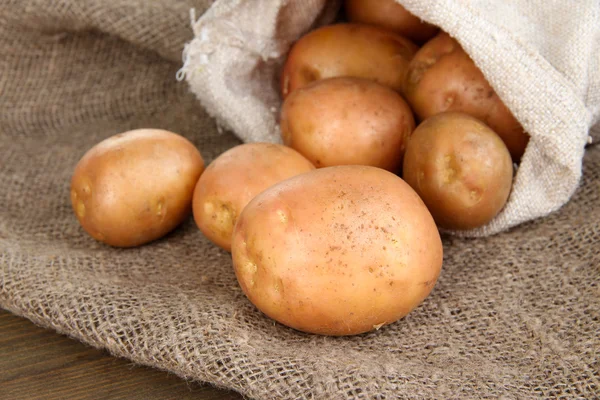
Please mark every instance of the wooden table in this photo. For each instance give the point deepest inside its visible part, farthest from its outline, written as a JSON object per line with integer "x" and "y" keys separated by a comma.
{"x": 37, "y": 363}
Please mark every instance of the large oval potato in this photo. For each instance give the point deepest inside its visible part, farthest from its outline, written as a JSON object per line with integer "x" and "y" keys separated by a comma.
{"x": 461, "y": 169}
{"x": 442, "y": 77}
{"x": 391, "y": 15}
{"x": 347, "y": 49}
{"x": 233, "y": 179}
{"x": 341, "y": 121}
{"x": 135, "y": 187}
{"x": 337, "y": 251}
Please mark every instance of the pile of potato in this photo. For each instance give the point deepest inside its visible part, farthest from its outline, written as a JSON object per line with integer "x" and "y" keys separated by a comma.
{"x": 389, "y": 133}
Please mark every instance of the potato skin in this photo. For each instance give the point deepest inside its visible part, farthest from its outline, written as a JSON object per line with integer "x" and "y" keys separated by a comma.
{"x": 390, "y": 15}
{"x": 461, "y": 169}
{"x": 347, "y": 49}
{"x": 342, "y": 121}
{"x": 135, "y": 187}
{"x": 442, "y": 77}
{"x": 337, "y": 251}
{"x": 233, "y": 179}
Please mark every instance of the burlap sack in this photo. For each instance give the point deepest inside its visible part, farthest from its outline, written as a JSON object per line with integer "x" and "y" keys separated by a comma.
{"x": 513, "y": 316}
{"x": 540, "y": 56}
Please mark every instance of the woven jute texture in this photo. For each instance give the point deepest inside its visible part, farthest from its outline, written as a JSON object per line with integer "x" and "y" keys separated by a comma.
{"x": 513, "y": 316}
{"x": 540, "y": 56}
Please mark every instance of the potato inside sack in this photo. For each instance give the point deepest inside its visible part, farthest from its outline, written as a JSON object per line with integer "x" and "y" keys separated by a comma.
{"x": 135, "y": 187}
{"x": 461, "y": 169}
{"x": 391, "y": 15}
{"x": 344, "y": 121}
{"x": 234, "y": 178}
{"x": 337, "y": 251}
{"x": 442, "y": 77}
{"x": 347, "y": 49}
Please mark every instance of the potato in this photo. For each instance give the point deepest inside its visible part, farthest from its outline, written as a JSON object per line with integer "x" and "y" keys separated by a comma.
{"x": 461, "y": 169}
{"x": 390, "y": 15}
{"x": 347, "y": 49}
{"x": 234, "y": 178}
{"x": 341, "y": 121}
{"x": 337, "y": 251}
{"x": 442, "y": 77}
{"x": 135, "y": 187}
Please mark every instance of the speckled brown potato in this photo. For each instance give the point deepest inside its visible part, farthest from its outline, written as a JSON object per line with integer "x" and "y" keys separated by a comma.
{"x": 347, "y": 49}
{"x": 461, "y": 169}
{"x": 337, "y": 251}
{"x": 135, "y": 187}
{"x": 442, "y": 77}
{"x": 234, "y": 178}
{"x": 391, "y": 15}
{"x": 343, "y": 121}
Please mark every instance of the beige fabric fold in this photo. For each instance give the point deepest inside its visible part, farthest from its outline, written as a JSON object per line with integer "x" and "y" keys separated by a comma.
{"x": 542, "y": 57}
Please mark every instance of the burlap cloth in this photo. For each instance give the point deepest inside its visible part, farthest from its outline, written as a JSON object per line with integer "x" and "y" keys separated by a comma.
{"x": 540, "y": 56}
{"x": 513, "y": 316}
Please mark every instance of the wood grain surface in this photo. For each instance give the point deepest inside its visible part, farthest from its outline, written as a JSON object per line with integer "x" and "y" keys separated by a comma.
{"x": 37, "y": 363}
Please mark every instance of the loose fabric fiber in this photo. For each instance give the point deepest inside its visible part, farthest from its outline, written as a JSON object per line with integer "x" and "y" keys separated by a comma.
{"x": 513, "y": 316}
